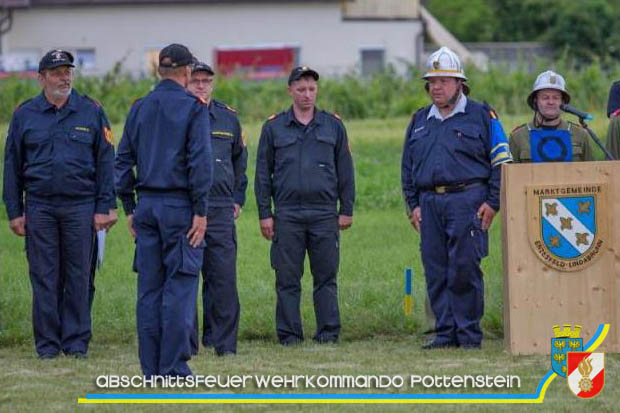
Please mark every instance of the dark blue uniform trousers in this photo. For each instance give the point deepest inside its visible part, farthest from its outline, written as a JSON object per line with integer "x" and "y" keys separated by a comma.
{"x": 168, "y": 269}
{"x": 58, "y": 244}
{"x": 220, "y": 299}
{"x": 452, "y": 245}
{"x": 298, "y": 231}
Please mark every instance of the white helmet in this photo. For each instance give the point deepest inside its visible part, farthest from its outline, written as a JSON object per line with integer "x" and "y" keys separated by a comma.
{"x": 548, "y": 80}
{"x": 444, "y": 62}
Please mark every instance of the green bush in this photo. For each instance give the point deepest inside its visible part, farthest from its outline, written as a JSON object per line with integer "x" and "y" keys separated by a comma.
{"x": 381, "y": 96}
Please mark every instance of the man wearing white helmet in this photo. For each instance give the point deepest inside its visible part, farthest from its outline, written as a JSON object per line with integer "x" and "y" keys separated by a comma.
{"x": 547, "y": 138}
{"x": 451, "y": 180}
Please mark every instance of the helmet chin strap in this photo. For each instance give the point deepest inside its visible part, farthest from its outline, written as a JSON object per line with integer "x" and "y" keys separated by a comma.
{"x": 452, "y": 101}
{"x": 538, "y": 116}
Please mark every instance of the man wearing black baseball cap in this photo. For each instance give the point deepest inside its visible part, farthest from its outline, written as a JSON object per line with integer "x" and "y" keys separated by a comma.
{"x": 219, "y": 270}
{"x": 302, "y": 71}
{"x": 60, "y": 154}
{"x": 305, "y": 167}
{"x": 165, "y": 138}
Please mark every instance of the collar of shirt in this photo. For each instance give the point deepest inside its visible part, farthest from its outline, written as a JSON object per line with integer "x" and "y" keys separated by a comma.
{"x": 290, "y": 118}
{"x": 71, "y": 103}
{"x": 458, "y": 108}
{"x": 563, "y": 125}
{"x": 212, "y": 110}
{"x": 169, "y": 84}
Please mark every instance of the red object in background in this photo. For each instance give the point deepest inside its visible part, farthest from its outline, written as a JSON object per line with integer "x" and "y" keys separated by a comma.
{"x": 256, "y": 63}
{"x": 28, "y": 74}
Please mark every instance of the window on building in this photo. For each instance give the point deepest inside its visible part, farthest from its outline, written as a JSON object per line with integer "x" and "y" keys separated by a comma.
{"x": 373, "y": 60}
{"x": 85, "y": 59}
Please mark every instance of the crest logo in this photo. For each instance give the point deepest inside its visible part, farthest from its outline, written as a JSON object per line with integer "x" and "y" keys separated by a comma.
{"x": 568, "y": 224}
{"x": 586, "y": 373}
{"x": 436, "y": 64}
{"x": 58, "y": 55}
{"x": 565, "y": 340}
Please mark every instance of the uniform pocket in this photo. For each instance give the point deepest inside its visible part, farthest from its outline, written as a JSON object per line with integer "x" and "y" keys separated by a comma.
{"x": 480, "y": 238}
{"x": 273, "y": 252}
{"x": 469, "y": 139}
{"x": 191, "y": 258}
{"x": 82, "y": 137}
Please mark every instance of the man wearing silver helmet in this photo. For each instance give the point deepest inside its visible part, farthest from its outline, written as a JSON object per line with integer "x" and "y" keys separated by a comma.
{"x": 547, "y": 138}
{"x": 450, "y": 180}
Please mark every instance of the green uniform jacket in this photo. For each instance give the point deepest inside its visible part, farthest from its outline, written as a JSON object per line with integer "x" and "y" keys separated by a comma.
{"x": 613, "y": 137}
{"x": 520, "y": 142}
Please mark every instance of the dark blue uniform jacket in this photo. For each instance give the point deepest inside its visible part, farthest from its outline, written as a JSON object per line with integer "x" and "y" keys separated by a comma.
{"x": 304, "y": 166}
{"x": 230, "y": 157}
{"x": 59, "y": 155}
{"x": 166, "y": 136}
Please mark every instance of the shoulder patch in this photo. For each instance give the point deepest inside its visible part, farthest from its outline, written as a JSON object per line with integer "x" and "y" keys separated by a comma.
{"x": 518, "y": 127}
{"x": 615, "y": 113}
{"x": 337, "y": 116}
{"x": 230, "y": 108}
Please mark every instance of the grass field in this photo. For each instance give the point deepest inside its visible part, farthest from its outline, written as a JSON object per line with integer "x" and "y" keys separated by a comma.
{"x": 377, "y": 338}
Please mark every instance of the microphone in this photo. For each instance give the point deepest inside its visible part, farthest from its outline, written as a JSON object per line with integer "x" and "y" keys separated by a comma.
{"x": 573, "y": 111}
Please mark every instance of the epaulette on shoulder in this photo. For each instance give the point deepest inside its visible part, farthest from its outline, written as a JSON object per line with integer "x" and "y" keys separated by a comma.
{"x": 614, "y": 114}
{"x": 492, "y": 112}
{"x": 415, "y": 112}
{"x": 94, "y": 101}
{"x": 518, "y": 128}
{"x": 19, "y": 105}
{"x": 336, "y": 115}
{"x": 272, "y": 117}
{"x": 576, "y": 125}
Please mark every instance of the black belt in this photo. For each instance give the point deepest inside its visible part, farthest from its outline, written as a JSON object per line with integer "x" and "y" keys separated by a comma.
{"x": 444, "y": 189}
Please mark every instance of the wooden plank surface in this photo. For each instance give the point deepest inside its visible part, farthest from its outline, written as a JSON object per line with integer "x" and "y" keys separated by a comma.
{"x": 536, "y": 296}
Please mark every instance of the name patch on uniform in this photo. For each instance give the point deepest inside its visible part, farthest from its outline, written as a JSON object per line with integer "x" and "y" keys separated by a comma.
{"x": 222, "y": 133}
{"x": 82, "y": 128}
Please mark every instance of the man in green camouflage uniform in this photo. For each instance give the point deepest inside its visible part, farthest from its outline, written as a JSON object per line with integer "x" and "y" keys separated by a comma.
{"x": 613, "y": 112}
{"x": 548, "y": 93}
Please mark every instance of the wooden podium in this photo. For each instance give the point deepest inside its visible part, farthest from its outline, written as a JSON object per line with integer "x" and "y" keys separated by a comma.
{"x": 561, "y": 252}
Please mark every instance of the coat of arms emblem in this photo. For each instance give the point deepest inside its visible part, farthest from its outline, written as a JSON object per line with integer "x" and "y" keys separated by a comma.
{"x": 568, "y": 224}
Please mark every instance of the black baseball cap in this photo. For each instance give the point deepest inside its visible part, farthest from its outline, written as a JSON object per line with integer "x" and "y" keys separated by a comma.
{"x": 175, "y": 55}
{"x": 55, "y": 58}
{"x": 301, "y": 71}
{"x": 202, "y": 67}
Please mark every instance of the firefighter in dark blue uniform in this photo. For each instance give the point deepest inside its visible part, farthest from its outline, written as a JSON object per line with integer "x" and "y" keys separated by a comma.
{"x": 220, "y": 299}
{"x": 304, "y": 165}
{"x": 59, "y": 152}
{"x": 451, "y": 180}
{"x": 165, "y": 138}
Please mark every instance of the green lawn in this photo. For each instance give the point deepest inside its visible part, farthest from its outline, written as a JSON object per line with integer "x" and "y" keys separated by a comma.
{"x": 377, "y": 337}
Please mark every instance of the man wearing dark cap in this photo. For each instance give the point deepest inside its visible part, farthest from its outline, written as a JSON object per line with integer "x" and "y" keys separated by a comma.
{"x": 304, "y": 165}
{"x": 613, "y": 113}
{"x": 220, "y": 299}
{"x": 59, "y": 153}
{"x": 165, "y": 138}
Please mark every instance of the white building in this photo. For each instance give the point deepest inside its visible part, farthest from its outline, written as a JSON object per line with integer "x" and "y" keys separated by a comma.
{"x": 332, "y": 36}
